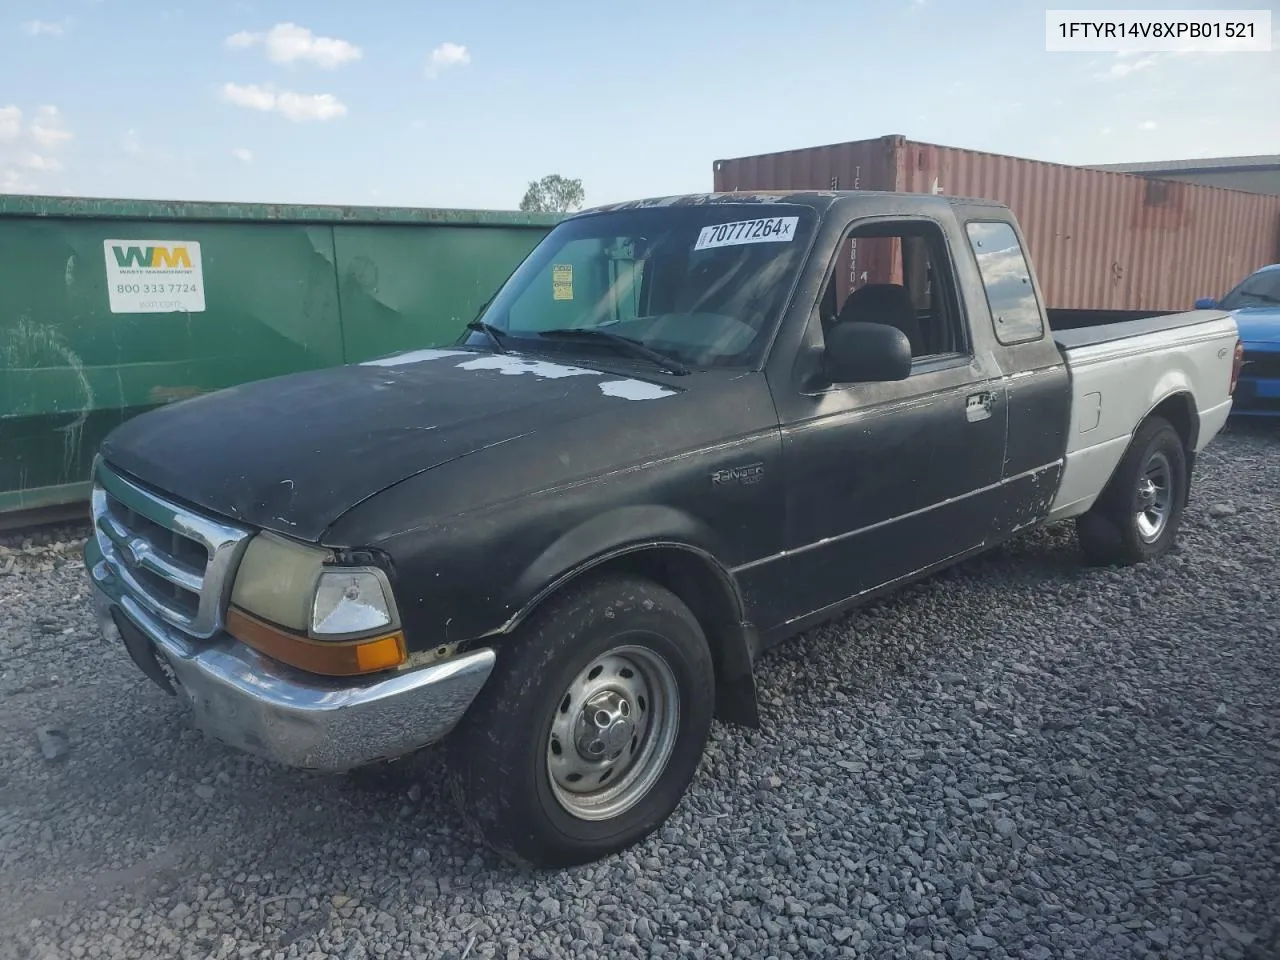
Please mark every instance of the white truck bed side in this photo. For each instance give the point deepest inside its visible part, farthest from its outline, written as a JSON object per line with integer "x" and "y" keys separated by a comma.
{"x": 1116, "y": 381}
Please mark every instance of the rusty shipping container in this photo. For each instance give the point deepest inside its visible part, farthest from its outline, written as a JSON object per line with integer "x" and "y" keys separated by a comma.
{"x": 1099, "y": 240}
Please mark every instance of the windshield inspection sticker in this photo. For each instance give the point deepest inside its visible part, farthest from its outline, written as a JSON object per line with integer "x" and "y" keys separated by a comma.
{"x": 562, "y": 281}
{"x": 767, "y": 230}
{"x": 154, "y": 276}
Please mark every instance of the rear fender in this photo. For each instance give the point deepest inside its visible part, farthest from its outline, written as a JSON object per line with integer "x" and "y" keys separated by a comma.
{"x": 1173, "y": 397}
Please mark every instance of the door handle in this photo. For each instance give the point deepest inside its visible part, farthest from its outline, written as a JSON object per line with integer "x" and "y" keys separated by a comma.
{"x": 977, "y": 406}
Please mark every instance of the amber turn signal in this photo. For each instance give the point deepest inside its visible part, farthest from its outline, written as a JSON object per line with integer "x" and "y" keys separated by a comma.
{"x": 329, "y": 658}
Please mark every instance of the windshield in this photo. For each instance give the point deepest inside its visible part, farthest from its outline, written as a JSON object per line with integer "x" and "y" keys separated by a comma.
{"x": 703, "y": 285}
{"x": 1257, "y": 290}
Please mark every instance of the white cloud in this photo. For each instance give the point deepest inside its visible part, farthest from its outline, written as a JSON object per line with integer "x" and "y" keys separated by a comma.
{"x": 48, "y": 130}
{"x": 1148, "y": 125}
{"x": 10, "y": 123}
{"x": 288, "y": 43}
{"x": 310, "y": 106}
{"x": 25, "y": 147}
{"x": 1126, "y": 67}
{"x": 34, "y": 161}
{"x": 46, "y": 28}
{"x": 13, "y": 181}
{"x": 296, "y": 106}
{"x": 447, "y": 55}
{"x": 243, "y": 154}
{"x": 251, "y": 97}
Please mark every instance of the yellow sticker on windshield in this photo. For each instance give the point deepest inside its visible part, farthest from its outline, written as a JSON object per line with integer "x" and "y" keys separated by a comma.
{"x": 562, "y": 281}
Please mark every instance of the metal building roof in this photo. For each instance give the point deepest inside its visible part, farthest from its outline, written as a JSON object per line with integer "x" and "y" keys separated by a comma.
{"x": 1202, "y": 165}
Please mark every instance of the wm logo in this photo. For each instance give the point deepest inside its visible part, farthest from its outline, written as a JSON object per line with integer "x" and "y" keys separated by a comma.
{"x": 152, "y": 257}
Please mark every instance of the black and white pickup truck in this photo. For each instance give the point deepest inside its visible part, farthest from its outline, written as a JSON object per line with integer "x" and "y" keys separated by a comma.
{"x": 670, "y": 441}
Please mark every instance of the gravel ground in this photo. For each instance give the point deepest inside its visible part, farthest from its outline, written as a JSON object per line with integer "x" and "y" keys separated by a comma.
{"x": 1022, "y": 758}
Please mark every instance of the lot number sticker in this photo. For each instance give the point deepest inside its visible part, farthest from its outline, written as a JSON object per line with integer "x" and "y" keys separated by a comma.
{"x": 768, "y": 230}
{"x": 154, "y": 276}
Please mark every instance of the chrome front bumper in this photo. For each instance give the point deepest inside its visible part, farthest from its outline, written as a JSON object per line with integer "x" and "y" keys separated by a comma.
{"x": 264, "y": 707}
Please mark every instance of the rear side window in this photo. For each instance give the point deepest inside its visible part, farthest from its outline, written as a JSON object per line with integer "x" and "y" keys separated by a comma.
{"x": 1007, "y": 279}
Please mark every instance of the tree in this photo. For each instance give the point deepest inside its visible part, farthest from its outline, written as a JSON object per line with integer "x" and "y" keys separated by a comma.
{"x": 553, "y": 194}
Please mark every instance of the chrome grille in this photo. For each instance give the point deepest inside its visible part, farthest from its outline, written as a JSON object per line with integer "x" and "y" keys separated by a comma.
{"x": 177, "y": 563}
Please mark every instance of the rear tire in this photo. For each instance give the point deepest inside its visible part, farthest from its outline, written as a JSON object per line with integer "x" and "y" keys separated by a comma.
{"x": 591, "y": 728}
{"x": 1137, "y": 517}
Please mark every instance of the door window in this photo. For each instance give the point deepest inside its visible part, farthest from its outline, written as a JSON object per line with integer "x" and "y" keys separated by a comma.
{"x": 899, "y": 273}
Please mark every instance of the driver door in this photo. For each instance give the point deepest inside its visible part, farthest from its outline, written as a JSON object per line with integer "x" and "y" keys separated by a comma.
{"x": 885, "y": 480}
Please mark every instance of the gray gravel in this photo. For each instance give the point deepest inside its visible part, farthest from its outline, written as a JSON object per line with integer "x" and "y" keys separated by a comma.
{"x": 1022, "y": 758}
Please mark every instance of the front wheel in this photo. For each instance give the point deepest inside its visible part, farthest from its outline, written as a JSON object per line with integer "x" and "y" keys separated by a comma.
{"x": 1137, "y": 516}
{"x": 587, "y": 736}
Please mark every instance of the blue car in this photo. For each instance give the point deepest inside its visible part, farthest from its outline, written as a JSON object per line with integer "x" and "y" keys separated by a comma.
{"x": 1255, "y": 304}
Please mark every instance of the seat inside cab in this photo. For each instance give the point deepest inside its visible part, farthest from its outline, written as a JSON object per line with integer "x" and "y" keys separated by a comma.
{"x": 897, "y": 274}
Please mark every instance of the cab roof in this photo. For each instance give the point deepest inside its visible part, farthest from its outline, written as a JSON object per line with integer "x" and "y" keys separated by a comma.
{"x": 820, "y": 201}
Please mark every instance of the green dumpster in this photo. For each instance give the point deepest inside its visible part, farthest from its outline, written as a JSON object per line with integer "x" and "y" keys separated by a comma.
{"x": 111, "y": 307}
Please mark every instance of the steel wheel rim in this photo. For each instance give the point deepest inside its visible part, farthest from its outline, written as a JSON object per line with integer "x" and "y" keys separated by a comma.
{"x": 612, "y": 733}
{"x": 1154, "y": 497}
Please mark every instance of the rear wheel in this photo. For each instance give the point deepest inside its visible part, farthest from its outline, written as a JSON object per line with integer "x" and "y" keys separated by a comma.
{"x": 1137, "y": 516}
{"x": 586, "y": 737}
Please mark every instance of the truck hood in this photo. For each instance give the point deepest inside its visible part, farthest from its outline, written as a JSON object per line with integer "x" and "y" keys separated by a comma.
{"x": 1258, "y": 324}
{"x": 293, "y": 453}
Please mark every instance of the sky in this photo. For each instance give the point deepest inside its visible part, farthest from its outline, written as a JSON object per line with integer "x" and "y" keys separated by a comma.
{"x": 410, "y": 103}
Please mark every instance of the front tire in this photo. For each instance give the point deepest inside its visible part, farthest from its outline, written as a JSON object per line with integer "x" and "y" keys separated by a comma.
{"x": 1137, "y": 517}
{"x": 591, "y": 728}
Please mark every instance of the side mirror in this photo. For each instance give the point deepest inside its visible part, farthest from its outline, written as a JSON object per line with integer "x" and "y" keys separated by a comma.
{"x": 867, "y": 353}
{"x": 1206, "y": 303}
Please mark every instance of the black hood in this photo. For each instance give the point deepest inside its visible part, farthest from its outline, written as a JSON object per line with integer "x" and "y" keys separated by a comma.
{"x": 293, "y": 453}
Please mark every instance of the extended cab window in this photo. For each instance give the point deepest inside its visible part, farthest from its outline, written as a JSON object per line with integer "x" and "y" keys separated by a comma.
{"x": 703, "y": 284}
{"x": 898, "y": 273}
{"x": 1006, "y": 276}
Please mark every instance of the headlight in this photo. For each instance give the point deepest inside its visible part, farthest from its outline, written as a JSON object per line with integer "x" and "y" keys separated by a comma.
{"x": 349, "y": 601}
{"x": 288, "y": 584}
{"x": 277, "y": 580}
{"x": 338, "y": 621}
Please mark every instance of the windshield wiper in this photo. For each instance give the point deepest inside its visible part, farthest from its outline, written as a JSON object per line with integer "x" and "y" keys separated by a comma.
{"x": 625, "y": 344}
{"x": 490, "y": 331}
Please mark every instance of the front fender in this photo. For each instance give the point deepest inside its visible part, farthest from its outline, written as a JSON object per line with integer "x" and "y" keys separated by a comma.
{"x": 674, "y": 549}
{"x": 605, "y": 537}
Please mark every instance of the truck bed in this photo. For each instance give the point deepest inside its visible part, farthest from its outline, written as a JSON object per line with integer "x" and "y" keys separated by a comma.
{"x": 1088, "y": 328}
{"x": 1121, "y": 372}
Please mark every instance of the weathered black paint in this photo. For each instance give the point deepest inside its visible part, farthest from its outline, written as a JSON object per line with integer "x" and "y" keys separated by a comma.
{"x": 293, "y": 453}
{"x": 779, "y": 497}
{"x": 479, "y": 540}
{"x": 1037, "y": 390}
